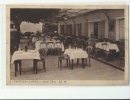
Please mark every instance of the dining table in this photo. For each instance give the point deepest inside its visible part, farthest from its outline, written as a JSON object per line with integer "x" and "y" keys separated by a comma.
{"x": 77, "y": 53}
{"x": 109, "y": 46}
{"x": 38, "y": 46}
{"x": 25, "y": 55}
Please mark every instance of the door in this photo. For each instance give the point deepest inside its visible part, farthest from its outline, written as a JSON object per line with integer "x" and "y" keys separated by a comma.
{"x": 102, "y": 29}
{"x": 96, "y": 30}
{"x": 121, "y": 29}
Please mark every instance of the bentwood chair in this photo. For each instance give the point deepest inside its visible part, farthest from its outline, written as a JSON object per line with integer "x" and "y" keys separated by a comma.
{"x": 107, "y": 53}
{"x": 89, "y": 50}
{"x": 43, "y": 45}
{"x": 50, "y": 46}
{"x": 122, "y": 55}
{"x": 58, "y": 47}
{"x": 97, "y": 50}
{"x": 43, "y": 53}
{"x": 62, "y": 56}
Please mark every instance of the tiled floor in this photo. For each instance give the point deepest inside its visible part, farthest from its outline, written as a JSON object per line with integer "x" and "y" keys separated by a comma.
{"x": 114, "y": 63}
{"x": 97, "y": 71}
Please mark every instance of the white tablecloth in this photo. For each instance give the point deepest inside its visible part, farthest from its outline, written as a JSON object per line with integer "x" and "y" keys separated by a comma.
{"x": 37, "y": 45}
{"x": 76, "y": 53}
{"x": 30, "y": 54}
{"x": 99, "y": 44}
{"x": 34, "y": 39}
{"x": 108, "y": 47}
{"x": 111, "y": 47}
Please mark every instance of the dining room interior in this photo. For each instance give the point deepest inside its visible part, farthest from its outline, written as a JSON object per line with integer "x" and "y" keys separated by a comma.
{"x": 67, "y": 44}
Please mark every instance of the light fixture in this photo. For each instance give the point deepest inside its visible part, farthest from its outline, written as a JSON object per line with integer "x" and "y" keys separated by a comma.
{"x": 65, "y": 18}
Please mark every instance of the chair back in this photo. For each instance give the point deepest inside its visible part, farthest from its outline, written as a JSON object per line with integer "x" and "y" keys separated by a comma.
{"x": 58, "y": 45}
{"x": 43, "y": 52}
{"x": 50, "y": 45}
{"x": 89, "y": 49}
{"x": 43, "y": 45}
{"x": 88, "y": 43}
{"x": 122, "y": 51}
{"x": 35, "y": 39}
{"x": 104, "y": 46}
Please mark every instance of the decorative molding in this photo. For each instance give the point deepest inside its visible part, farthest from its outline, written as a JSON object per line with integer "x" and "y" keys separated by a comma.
{"x": 105, "y": 12}
{"x": 85, "y": 17}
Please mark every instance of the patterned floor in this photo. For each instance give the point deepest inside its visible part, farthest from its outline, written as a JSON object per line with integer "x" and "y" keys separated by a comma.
{"x": 97, "y": 71}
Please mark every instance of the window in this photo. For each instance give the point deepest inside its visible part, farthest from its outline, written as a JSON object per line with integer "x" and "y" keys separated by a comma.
{"x": 121, "y": 29}
{"x": 75, "y": 29}
{"x": 62, "y": 29}
{"x": 79, "y": 29}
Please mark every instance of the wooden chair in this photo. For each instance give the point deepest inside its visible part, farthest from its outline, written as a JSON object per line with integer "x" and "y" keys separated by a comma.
{"x": 122, "y": 55}
{"x": 107, "y": 53}
{"x": 58, "y": 47}
{"x": 97, "y": 50}
{"x": 43, "y": 45}
{"x": 50, "y": 46}
{"x": 89, "y": 50}
{"x": 62, "y": 56}
{"x": 17, "y": 62}
{"x": 43, "y": 53}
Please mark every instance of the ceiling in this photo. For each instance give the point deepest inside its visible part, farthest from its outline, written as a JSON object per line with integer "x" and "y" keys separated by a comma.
{"x": 71, "y": 13}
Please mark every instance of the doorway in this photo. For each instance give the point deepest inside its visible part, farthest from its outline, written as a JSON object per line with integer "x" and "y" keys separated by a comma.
{"x": 96, "y": 30}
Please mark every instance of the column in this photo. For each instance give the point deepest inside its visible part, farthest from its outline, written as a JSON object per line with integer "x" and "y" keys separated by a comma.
{"x": 106, "y": 28}
{"x": 59, "y": 30}
{"x": 117, "y": 30}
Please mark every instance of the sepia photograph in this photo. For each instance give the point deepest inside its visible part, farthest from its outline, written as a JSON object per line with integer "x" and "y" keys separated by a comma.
{"x": 67, "y": 45}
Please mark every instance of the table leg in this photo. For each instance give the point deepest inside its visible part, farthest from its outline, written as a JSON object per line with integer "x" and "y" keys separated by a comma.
{"x": 60, "y": 64}
{"x": 89, "y": 61}
{"x": 67, "y": 62}
{"x": 72, "y": 64}
{"x": 44, "y": 65}
{"x": 15, "y": 67}
{"x": 20, "y": 66}
{"x": 77, "y": 61}
{"x": 35, "y": 66}
{"x": 83, "y": 62}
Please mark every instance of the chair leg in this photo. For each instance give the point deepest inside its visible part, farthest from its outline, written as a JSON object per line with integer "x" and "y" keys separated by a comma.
{"x": 112, "y": 57}
{"x": 15, "y": 68}
{"x": 36, "y": 66}
{"x": 83, "y": 63}
{"x": 35, "y": 69}
{"x": 89, "y": 62}
{"x": 77, "y": 61}
{"x": 106, "y": 57}
{"x": 44, "y": 65}
{"x": 96, "y": 53}
{"x": 67, "y": 62}
{"x": 72, "y": 64}
{"x": 20, "y": 67}
{"x": 86, "y": 62}
{"x": 120, "y": 63}
{"x": 60, "y": 64}
{"x": 33, "y": 66}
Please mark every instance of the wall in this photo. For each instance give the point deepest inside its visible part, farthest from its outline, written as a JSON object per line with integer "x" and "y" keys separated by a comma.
{"x": 115, "y": 14}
